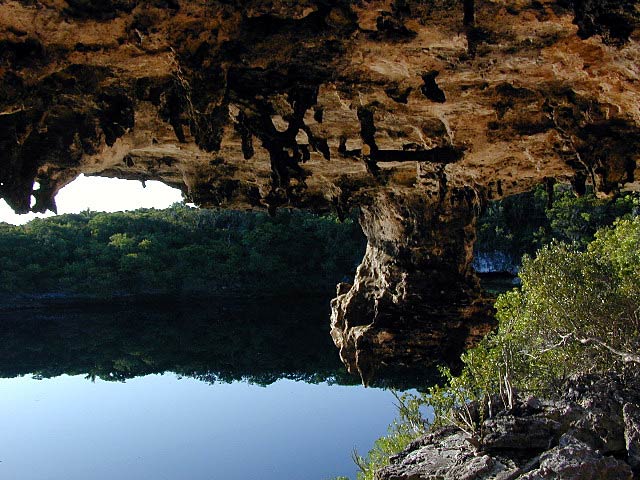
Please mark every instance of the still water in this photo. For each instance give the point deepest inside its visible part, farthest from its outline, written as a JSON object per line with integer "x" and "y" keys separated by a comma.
{"x": 209, "y": 392}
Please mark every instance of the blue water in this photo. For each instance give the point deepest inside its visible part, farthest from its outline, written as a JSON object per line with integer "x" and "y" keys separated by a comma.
{"x": 163, "y": 427}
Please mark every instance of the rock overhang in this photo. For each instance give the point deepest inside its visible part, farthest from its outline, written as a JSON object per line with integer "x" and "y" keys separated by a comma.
{"x": 417, "y": 112}
{"x": 256, "y": 104}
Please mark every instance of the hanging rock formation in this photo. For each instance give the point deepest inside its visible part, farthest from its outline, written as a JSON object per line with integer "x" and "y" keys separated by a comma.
{"x": 415, "y": 297}
{"x": 417, "y": 112}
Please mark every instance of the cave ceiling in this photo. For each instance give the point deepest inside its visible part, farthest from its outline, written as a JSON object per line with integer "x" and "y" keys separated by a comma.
{"x": 316, "y": 104}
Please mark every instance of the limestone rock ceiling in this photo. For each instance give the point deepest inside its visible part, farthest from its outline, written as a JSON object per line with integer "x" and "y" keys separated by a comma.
{"x": 416, "y": 111}
{"x": 316, "y": 103}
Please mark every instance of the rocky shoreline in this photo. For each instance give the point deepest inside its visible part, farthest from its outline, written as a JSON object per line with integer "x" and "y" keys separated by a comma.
{"x": 591, "y": 432}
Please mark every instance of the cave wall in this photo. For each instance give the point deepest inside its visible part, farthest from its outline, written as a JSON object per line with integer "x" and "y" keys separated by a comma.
{"x": 416, "y": 112}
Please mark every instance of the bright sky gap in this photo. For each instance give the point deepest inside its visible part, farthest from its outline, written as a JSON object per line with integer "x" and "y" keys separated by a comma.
{"x": 101, "y": 194}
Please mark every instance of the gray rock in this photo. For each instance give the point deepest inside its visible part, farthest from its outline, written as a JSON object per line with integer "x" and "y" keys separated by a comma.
{"x": 575, "y": 460}
{"x": 631, "y": 414}
{"x": 572, "y": 438}
{"x": 434, "y": 462}
{"x": 477, "y": 468}
{"x": 533, "y": 404}
{"x": 434, "y": 455}
{"x": 596, "y": 402}
{"x": 488, "y": 262}
{"x": 519, "y": 433}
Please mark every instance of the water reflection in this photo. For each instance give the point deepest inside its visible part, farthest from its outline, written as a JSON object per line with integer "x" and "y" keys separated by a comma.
{"x": 132, "y": 422}
{"x": 213, "y": 341}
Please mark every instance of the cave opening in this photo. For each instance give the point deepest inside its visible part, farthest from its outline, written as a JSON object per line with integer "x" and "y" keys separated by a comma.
{"x": 140, "y": 238}
{"x": 98, "y": 194}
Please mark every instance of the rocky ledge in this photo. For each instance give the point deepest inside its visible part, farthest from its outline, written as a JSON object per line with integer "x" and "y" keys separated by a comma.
{"x": 592, "y": 432}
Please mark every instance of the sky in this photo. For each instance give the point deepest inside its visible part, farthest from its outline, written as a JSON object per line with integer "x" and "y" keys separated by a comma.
{"x": 102, "y": 194}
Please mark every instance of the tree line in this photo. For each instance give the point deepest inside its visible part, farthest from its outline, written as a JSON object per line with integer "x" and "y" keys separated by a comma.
{"x": 179, "y": 251}
{"x": 521, "y": 224}
{"x": 188, "y": 251}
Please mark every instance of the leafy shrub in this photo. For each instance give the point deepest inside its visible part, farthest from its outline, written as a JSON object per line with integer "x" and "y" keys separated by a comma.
{"x": 577, "y": 219}
{"x": 576, "y": 311}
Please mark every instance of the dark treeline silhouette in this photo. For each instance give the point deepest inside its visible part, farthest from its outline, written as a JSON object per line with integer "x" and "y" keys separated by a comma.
{"x": 213, "y": 341}
{"x": 521, "y": 224}
{"x": 178, "y": 251}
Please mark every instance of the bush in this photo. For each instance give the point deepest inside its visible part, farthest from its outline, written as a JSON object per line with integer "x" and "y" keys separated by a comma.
{"x": 577, "y": 219}
{"x": 576, "y": 311}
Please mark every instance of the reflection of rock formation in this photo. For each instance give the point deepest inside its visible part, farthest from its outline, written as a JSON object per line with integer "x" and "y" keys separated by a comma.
{"x": 320, "y": 105}
{"x": 260, "y": 342}
{"x": 415, "y": 298}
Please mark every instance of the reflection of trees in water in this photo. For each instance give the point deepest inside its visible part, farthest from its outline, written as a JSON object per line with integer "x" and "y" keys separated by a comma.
{"x": 214, "y": 342}
{"x": 260, "y": 343}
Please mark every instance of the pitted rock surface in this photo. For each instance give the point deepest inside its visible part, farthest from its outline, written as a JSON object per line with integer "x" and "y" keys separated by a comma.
{"x": 574, "y": 460}
{"x": 631, "y": 413}
{"x": 537, "y": 439}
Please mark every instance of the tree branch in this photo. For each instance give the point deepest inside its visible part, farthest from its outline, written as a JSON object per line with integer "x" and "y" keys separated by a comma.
{"x": 625, "y": 356}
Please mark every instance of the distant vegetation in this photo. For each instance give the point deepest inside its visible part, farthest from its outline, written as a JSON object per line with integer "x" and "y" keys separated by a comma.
{"x": 178, "y": 251}
{"x": 521, "y": 224}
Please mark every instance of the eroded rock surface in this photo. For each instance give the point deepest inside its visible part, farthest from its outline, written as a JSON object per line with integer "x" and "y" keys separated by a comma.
{"x": 415, "y": 297}
{"x": 631, "y": 417}
{"x": 581, "y": 436}
{"x": 417, "y": 112}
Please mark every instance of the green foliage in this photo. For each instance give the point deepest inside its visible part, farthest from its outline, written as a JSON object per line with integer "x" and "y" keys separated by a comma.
{"x": 511, "y": 225}
{"x": 576, "y": 311}
{"x": 179, "y": 250}
{"x": 521, "y": 224}
{"x": 577, "y": 219}
{"x": 394, "y": 442}
{"x": 409, "y": 425}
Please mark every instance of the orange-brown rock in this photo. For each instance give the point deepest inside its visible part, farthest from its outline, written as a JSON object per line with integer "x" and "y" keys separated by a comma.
{"x": 417, "y": 112}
